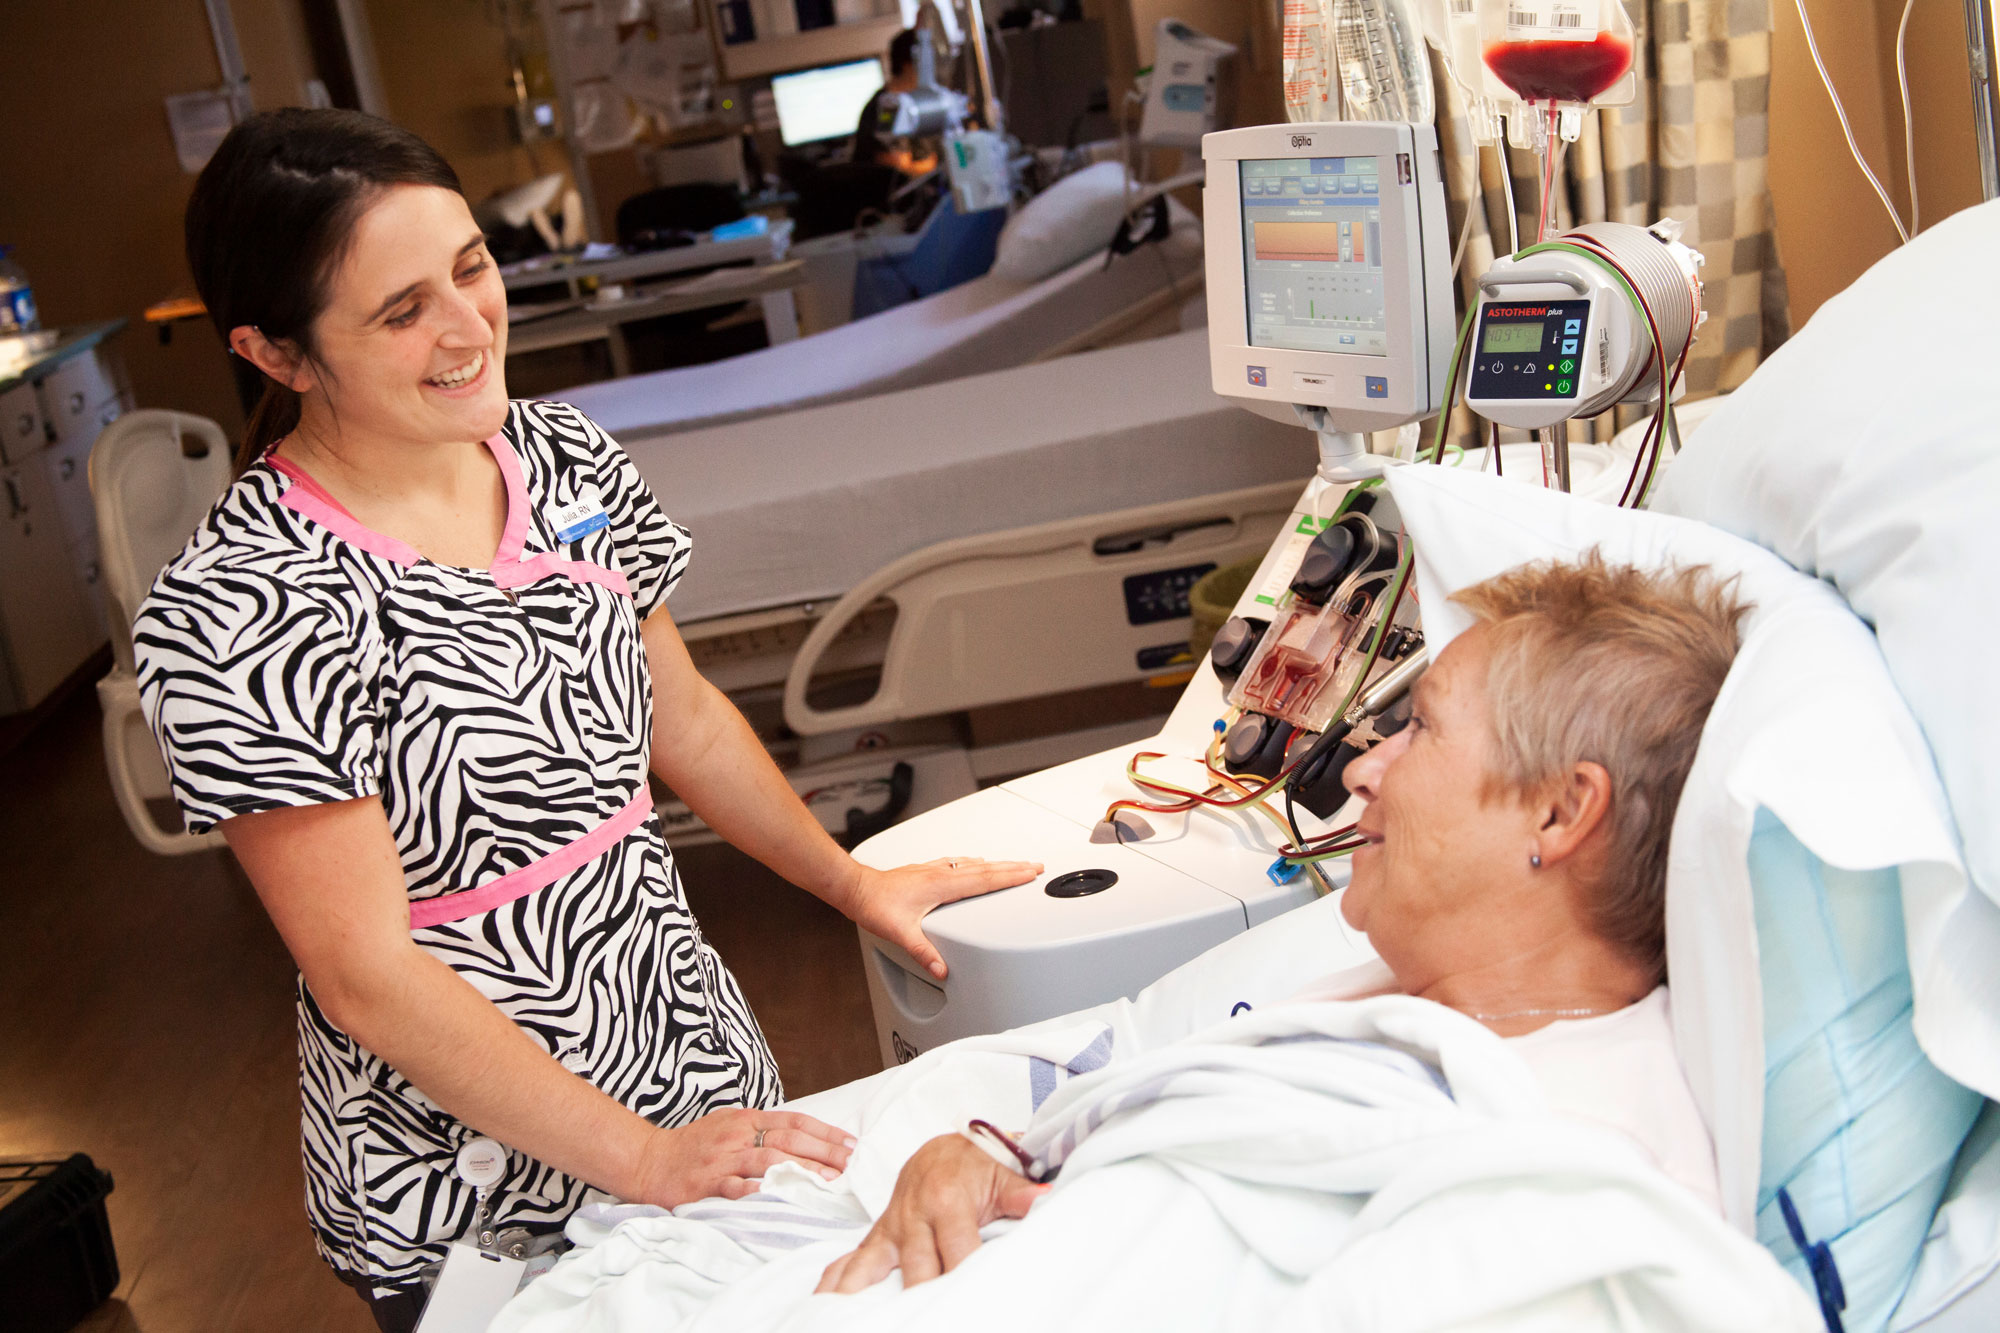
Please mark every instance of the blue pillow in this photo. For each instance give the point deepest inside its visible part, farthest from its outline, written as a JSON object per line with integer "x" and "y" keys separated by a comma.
{"x": 1860, "y": 1128}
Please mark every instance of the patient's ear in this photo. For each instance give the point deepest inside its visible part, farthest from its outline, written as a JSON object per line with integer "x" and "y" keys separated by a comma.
{"x": 1570, "y": 812}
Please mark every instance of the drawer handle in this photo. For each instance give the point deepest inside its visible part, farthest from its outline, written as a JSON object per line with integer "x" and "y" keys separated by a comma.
{"x": 76, "y": 403}
{"x": 68, "y": 468}
{"x": 27, "y": 426}
{"x": 90, "y": 572}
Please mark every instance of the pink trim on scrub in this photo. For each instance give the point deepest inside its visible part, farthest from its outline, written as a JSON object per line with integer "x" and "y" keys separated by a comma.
{"x": 509, "y": 569}
{"x": 516, "y": 534}
{"x": 537, "y": 567}
{"x": 538, "y": 875}
{"x": 308, "y": 498}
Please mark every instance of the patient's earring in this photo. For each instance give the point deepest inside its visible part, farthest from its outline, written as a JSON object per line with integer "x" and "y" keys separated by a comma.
{"x": 1534, "y": 860}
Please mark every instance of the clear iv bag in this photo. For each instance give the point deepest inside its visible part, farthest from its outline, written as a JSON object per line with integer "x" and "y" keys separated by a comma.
{"x": 1379, "y": 62}
{"x": 1355, "y": 60}
{"x": 1308, "y": 60}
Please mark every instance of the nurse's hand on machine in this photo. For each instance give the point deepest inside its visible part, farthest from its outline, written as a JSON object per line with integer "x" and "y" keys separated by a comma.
{"x": 726, "y": 1153}
{"x": 947, "y": 1191}
{"x": 891, "y": 903}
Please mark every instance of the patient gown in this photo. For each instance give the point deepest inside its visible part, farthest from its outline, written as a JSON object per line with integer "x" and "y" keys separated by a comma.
{"x": 290, "y": 656}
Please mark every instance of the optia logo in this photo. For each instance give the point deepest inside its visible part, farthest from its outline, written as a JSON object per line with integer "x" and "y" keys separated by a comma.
{"x": 1302, "y": 141}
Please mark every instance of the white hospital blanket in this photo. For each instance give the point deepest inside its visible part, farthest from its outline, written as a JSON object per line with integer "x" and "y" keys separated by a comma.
{"x": 1377, "y": 1164}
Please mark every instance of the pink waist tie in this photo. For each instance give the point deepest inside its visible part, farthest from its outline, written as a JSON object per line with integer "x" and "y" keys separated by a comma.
{"x": 520, "y": 883}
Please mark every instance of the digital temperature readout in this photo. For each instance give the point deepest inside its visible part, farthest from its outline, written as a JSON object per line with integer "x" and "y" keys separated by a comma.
{"x": 1511, "y": 337}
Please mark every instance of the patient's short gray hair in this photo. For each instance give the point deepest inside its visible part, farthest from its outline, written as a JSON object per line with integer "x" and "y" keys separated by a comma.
{"x": 1619, "y": 666}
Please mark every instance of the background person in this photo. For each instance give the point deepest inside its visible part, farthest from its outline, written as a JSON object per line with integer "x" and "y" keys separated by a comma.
{"x": 872, "y": 141}
{"x": 416, "y": 666}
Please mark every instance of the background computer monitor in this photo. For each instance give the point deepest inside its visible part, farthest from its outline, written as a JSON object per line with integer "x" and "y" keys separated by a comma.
{"x": 824, "y": 103}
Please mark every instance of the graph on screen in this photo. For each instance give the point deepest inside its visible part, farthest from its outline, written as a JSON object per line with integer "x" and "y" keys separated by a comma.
{"x": 1313, "y": 242}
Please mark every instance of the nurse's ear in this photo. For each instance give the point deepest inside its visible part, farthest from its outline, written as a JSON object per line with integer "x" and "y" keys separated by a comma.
{"x": 280, "y": 358}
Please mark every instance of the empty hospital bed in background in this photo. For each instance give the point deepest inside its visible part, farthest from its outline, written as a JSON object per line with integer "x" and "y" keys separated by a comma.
{"x": 867, "y": 573}
{"x": 990, "y": 323}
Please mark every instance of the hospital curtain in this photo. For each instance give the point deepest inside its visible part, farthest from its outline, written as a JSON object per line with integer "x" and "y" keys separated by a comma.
{"x": 1693, "y": 145}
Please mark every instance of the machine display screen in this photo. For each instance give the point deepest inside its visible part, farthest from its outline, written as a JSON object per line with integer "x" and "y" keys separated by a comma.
{"x": 1312, "y": 254}
{"x": 1512, "y": 338}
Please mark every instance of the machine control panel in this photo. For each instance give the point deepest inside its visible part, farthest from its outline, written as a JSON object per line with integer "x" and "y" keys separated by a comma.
{"x": 1529, "y": 349}
{"x": 1161, "y": 594}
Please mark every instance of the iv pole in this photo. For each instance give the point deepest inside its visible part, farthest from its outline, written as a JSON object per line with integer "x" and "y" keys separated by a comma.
{"x": 1982, "y": 21}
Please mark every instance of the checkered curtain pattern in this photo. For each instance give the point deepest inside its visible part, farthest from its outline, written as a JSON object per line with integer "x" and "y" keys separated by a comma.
{"x": 1693, "y": 145}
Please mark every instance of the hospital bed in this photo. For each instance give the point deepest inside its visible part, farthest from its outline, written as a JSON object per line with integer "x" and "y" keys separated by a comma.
{"x": 990, "y": 323}
{"x": 1006, "y": 536}
{"x": 1469, "y": 530}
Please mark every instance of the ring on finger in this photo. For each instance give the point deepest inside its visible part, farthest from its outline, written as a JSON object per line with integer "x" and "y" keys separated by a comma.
{"x": 759, "y": 1141}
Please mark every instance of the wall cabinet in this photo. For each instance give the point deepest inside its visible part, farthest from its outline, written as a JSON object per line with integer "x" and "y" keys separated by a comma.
{"x": 52, "y": 611}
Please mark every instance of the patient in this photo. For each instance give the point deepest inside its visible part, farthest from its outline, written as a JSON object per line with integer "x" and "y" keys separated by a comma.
{"x": 1515, "y": 871}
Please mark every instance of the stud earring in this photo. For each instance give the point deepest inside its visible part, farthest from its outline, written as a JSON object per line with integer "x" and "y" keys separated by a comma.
{"x": 1535, "y": 861}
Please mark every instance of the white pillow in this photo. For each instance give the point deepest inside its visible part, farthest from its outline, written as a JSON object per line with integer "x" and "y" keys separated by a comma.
{"x": 1867, "y": 452}
{"x": 1075, "y": 217}
{"x": 1820, "y": 737}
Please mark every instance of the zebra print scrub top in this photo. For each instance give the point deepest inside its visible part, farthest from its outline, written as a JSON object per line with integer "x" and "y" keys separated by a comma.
{"x": 289, "y": 656}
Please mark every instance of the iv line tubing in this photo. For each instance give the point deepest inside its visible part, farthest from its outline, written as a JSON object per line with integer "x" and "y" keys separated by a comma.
{"x": 1812, "y": 45}
{"x": 1909, "y": 126}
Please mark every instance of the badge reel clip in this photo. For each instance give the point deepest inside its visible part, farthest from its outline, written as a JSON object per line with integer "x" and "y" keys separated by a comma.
{"x": 480, "y": 1274}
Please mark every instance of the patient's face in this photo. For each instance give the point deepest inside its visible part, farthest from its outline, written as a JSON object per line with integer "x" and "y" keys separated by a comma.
{"x": 1439, "y": 839}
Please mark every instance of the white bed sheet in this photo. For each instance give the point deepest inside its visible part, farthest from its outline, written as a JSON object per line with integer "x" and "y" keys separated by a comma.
{"x": 986, "y": 324}
{"x": 803, "y": 506}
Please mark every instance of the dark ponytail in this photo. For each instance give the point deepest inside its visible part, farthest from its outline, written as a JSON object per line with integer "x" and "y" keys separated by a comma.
{"x": 270, "y": 220}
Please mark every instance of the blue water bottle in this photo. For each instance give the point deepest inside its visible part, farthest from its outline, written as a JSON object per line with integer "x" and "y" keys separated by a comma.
{"x": 17, "y": 298}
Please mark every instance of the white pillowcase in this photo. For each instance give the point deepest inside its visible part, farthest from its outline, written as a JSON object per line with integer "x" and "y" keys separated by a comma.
{"x": 1075, "y": 217}
{"x": 1818, "y": 734}
{"x": 1867, "y": 452}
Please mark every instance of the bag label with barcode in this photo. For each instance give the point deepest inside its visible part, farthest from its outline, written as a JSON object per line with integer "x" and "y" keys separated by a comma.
{"x": 1552, "y": 20}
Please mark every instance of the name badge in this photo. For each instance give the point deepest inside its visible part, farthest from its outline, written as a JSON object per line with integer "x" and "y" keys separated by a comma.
{"x": 470, "y": 1290}
{"x": 580, "y": 517}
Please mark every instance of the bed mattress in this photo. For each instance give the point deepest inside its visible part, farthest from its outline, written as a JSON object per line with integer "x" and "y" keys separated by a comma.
{"x": 986, "y": 324}
{"x": 803, "y": 506}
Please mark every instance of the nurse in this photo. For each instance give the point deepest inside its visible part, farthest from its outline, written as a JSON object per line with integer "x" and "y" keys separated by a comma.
{"x": 416, "y": 665}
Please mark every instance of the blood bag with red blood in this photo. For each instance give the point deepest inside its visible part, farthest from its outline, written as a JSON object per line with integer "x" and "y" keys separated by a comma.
{"x": 1559, "y": 71}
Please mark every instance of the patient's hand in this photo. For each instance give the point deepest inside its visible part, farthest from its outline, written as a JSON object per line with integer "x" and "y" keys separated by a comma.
{"x": 947, "y": 1191}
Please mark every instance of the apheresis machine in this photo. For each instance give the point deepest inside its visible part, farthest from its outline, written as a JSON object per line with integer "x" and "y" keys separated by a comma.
{"x": 1330, "y": 303}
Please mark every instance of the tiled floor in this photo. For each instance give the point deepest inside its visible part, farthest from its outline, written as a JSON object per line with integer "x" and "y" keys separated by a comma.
{"x": 146, "y": 1019}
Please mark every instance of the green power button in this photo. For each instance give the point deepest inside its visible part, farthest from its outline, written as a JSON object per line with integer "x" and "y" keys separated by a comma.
{"x": 1562, "y": 386}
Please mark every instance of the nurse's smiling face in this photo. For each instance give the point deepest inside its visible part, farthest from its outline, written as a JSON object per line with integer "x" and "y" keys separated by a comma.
{"x": 412, "y": 342}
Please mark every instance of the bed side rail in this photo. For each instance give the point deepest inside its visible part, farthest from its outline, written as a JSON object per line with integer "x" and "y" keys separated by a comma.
{"x": 1039, "y": 610}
